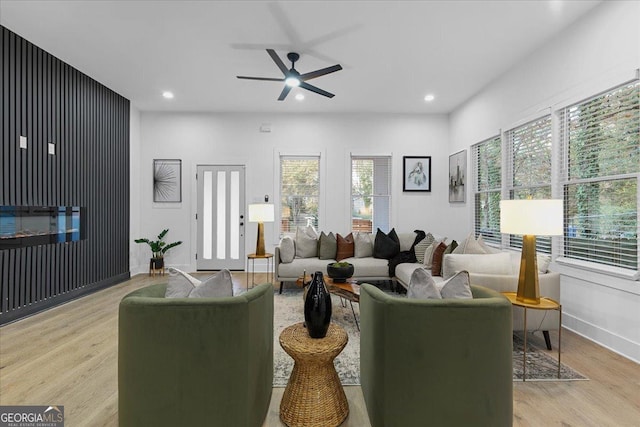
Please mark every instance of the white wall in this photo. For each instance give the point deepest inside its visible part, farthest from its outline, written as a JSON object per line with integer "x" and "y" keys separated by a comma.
{"x": 214, "y": 138}
{"x": 598, "y": 52}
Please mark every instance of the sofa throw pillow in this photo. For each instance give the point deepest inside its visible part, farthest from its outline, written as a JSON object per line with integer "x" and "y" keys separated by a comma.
{"x": 450, "y": 247}
{"x": 457, "y": 286}
{"x": 174, "y": 271}
{"x": 487, "y": 249}
{"x": 543, "y": 262}
{"x": 363, "y": 246}
{"x": 345, "y": 246}
{"x": 422, "y": 285}
{"x": 306, "y": 242}
{"x": 217, "y": 286}
{"x": 436, "y": 261}
{"x": 178, "y": 286}
{"x": 470, "y": 246}
{"x": 327, "y": 246}
{"x": 428, "y": 254}
{"x": 386, "y": 246}
{"x": 421, "y": 247}
{"x": 287, "y": 250}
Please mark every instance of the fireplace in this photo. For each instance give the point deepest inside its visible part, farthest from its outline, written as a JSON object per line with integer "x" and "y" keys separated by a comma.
{"x": 22, "y": 226}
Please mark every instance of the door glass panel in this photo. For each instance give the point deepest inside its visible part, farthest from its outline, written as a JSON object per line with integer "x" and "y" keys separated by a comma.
{"x": 221, "y": 214}
{"x": 207, "y": 215}
{"x": 235, "y": 215}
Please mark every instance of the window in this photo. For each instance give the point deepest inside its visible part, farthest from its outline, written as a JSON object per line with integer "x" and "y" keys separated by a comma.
{"x": 529, "y": 168}
{"x": 487, "y": 163}
{"x": 370, "y": 193}
{"x": 299, "y": 192}
{"x": 600, "y": 166}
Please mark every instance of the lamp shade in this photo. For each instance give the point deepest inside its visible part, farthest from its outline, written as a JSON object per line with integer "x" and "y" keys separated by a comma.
{"x": 261, "y": 212}
{"x": 531, "y": 217}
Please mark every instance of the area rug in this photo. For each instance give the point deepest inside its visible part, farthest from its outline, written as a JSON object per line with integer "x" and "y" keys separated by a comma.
{"x": 288, "y": 308}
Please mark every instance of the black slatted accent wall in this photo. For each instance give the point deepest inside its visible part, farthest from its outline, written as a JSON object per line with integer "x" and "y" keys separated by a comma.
{"x": 47, "y": 100}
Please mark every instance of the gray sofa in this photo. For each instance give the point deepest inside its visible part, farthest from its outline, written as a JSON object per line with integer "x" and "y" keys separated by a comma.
{"x": 495, "y": 271}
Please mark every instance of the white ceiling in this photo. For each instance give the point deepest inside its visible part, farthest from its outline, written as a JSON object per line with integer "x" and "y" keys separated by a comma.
{"x": 393, "y": 52}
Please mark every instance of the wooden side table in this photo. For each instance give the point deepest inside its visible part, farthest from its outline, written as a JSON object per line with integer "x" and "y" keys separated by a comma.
{"x": 314, "y": 395}
{"x": 253, "y": 258}
{"x": 545, "y": 304}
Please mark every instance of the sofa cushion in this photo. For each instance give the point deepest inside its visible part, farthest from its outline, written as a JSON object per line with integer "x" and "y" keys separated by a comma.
{"x": 306, "y": 242}
{"x": 363, "y": 246}
{"x": 217, "y": 286}
{"x": 422, "y": 285}
{"x": 451, "y": 247}
{"x": 287, "y": 249}
{"x": 386, "y": 246}
{"x": 542, "y": 260}
{"x": 405, "y": 270}
{"x": 369, "y": 267}
{"x": 436, "y": 260}
{"x": 345, "y": 246}
{"x": 499, "y": 263}
{"x": 406, "y": 240}
{"x": 422, "y": 246}
{"x": 327, "y": 246}
{"x": 470, "y": 246}
{"x": 457, "y": 286}
{"x": 179, "y": 285}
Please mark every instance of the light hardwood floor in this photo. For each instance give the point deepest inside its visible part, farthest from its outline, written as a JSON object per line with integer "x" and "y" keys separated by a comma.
{"x": 68, "y": 356}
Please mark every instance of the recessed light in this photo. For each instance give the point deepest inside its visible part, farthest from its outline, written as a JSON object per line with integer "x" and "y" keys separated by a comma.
{"x": 299, "y": 96}
{"x": 167, "y": 95}
{"x": 430, "y": 97}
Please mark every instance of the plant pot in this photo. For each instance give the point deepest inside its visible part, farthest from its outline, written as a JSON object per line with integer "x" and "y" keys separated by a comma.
{"x": 156, "y": 264}
{"x": 340, "y": 274}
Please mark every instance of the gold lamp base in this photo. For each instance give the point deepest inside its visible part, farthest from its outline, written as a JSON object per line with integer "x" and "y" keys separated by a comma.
{"x": 260, "y": 243}
{"x": 528, "y": 287}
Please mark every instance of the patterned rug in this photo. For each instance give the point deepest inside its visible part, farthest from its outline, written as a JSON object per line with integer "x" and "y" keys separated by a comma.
{"x": 289, "y": 310}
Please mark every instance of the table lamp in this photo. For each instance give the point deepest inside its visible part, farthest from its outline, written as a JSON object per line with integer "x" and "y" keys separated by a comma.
{"x": 530, "y": 218}
{"x": 261, "y": 213}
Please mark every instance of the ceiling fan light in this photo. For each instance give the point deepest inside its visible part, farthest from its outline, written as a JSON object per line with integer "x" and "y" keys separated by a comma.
{"x": 292, "y": 81}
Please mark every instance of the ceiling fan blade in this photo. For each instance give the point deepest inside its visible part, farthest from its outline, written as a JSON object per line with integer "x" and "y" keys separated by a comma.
{"x": 278, "y": 61}
{"x": 317, "y": 90}
{"x": 284, "y": 93}
{"x": 269, "y": 79}
{"x": 318, "y": 73}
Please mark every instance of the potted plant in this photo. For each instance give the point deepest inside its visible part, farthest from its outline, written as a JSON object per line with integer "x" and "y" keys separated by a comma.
{"x": 158, "y": 249}
{"x": 340, "y": 271}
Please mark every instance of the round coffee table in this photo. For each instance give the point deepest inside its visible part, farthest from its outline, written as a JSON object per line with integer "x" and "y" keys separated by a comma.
{"x": 314, "y": 395}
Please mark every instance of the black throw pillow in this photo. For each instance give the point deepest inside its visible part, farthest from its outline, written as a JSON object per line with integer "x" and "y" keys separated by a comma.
{"x": 386, "y": 246}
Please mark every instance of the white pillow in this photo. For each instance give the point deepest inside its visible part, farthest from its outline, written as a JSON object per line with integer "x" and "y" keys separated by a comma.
{"x": 217, "y": 286}
{"x": 180, "y": 286}
{"x": 469, "y": 246}
{"x": 428, "y": 253}
{"x": 421, "y": 247}
{"x": 287, "y": 249}
{"x": 499, "y": 263}
{"x": 363, "y": 246}
{"x": 306, "y": 242}
{"x": 422, "y": 285}
{"x": 457, "y": 286}
{"x": 543, "y": 261}
{"x": 487, "y": 249}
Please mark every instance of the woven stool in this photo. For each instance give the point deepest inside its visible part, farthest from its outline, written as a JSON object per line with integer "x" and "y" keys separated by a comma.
{"x": 314, "y": 396}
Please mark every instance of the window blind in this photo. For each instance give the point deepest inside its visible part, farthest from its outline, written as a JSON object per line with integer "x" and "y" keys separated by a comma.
{"x": 299, "y": 192}
{"x": 600, "y": 141}
{"x": 370, "y": 193}
{"x": 529, "y": 168}
{"x": 487, "y": 164}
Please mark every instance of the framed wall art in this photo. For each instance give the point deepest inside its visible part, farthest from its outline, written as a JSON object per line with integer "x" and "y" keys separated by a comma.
{"x": 458, "y": 177}
{"x": 416, "y": 173}
{"x": 167, "y": 180}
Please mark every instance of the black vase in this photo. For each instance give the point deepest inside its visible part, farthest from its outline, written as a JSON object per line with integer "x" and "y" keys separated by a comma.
{"x": 317, "y": 307}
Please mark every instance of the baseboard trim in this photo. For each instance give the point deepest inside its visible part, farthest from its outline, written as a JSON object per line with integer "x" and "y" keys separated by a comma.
{"x": 35, "y": 308}
{"x": 619, "y": 345}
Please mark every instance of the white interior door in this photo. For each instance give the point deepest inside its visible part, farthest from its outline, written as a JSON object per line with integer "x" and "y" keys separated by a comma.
{"x": 220, "y": 217}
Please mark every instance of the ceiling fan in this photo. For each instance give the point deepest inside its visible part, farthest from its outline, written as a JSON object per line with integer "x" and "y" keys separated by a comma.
{"x": 293, "y": 78}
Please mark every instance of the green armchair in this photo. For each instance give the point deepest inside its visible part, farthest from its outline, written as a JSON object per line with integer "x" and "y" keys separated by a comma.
{"x": 195, "y": 362}
{"x": 436, "y": 362}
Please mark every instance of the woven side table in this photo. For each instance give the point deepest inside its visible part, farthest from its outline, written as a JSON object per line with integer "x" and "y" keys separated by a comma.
{"x": 314, "y": 396}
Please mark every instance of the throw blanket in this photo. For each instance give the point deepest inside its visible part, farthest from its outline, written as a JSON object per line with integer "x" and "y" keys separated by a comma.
{"x": 406, "y": 256}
